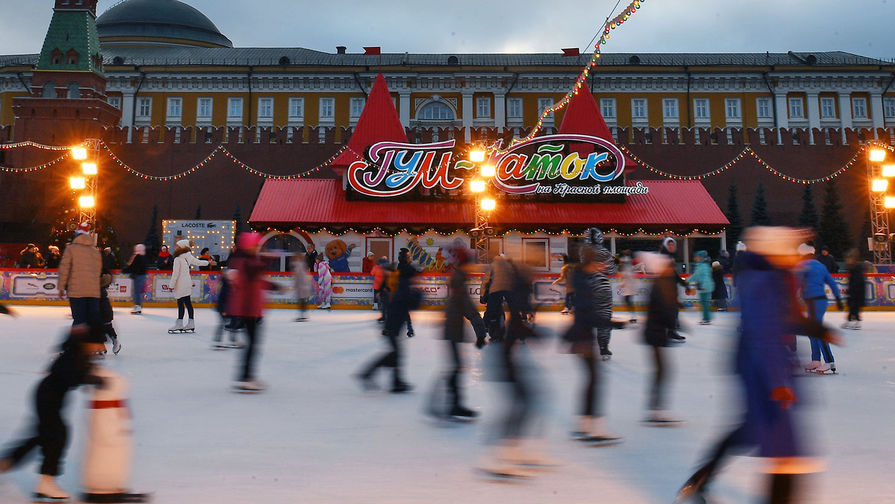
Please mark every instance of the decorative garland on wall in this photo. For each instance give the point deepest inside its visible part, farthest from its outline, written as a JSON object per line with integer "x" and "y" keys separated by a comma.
{"x": 28, "y": 169}
{"x": 29, "y": 143}
{"x": 341, "y": 231}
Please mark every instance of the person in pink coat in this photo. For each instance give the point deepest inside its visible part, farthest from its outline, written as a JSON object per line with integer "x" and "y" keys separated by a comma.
{"x": 246, "y": 272}
{"x": 324, "y": 283}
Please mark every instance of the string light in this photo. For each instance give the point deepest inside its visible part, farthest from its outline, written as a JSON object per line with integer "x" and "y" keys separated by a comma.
{"x": 342, "y": 231}
{"x": 28, "y": 169}
{"x": 29, "y": 143}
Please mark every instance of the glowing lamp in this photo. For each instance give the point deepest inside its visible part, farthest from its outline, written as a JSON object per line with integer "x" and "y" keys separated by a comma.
{"x": 489, "y": 204}
{"x": 889, "y": 170}
{"x": 879, "y": 185}
{"x": 77, "y": 182}
{"x": 877, "y": 155}
{"x": 89, "y": 168}
{"x": 86, "y": 201}
{"x": 78, "y": 153}
{"x": 890, "y": 202}
{"x": 477, "y": 186}
{"x": 488, "y": 170}
{"x": 477, "y": 156}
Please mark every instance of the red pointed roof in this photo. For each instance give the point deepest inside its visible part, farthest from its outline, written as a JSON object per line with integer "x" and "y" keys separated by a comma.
{"x": 583, "y": 117}
{"x": 379, "y": 122}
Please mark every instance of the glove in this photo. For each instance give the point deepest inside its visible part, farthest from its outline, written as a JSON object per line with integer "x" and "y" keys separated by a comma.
{"x": 784, "y": 395}
{"x": 839, "y": 304}
{"x": 483, "y": 299}
{"x": 480, "y": 343}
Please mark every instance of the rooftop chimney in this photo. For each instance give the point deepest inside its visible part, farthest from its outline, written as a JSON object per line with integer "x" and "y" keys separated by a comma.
{"x": 340, "y": 49}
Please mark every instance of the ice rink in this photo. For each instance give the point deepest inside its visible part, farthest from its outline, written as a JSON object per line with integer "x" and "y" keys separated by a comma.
{"x": 315, "y": 437}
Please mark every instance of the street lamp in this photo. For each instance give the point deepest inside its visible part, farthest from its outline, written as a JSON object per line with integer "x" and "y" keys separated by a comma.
{"x": 89, "y": 168}
{"x": 484, "y": 204}
{"x": 877, "y": 155}
{"x": 77, "y": 182}
{"x": 880, "y": 204}
{"x": 79, "y": 153}
{"x": 489, "y": 204}
{"x": 86, "y": 202}
{"x": 87, "y": 180}
{"x": 477, "y": 186}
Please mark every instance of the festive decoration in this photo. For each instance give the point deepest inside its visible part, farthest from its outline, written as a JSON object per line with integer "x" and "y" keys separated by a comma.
{"x": 378, "y": 231}
{"x": 29, "y": 143}
{"x": 59, "y": 159}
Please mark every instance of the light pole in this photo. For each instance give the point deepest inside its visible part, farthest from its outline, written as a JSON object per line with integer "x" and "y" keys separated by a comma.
{"x": 881, "y": 202}
{"x": 484, "y": 205}
{"x": 87, "y": 180}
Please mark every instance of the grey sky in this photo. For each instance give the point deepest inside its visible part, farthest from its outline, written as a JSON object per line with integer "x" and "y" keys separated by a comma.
{"x": 472, "y": 26}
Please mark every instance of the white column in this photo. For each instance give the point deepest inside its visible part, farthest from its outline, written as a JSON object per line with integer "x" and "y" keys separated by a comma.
{"x": 813, "y": 115}
{"x": 845, "y": 113}
{"x": 467, "y": 113}
{"x": 876, "y": 111}
{"x": 500, "y": 111}
{"x": 404, "y": 106}
{"x": 127, "y": 112}
{"x": 724, "y": 240}
{"x": 782, "y": 114}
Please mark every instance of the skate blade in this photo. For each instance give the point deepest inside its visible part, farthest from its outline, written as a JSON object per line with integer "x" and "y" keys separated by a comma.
{"x": 116, "y": 498}
{"x": 662, "y": 423}
{"x": 41, "y": 498}
{"x": 502, "y": 476}
{"x": 594, "y": 441}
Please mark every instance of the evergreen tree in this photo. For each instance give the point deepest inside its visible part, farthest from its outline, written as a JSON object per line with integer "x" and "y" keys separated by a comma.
{"x": 760, "y": 209}
{"x": 198, "y": 213}
{"x": 808, "y": 217}
{"x": 152, "y": 241}
{"x": 735, "y": 229}
{"x": 833, "y": 231}
{"x": 237, "y": 216}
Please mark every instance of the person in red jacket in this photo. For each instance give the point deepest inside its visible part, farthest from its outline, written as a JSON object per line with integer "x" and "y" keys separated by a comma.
{"x": 368, "y": 263}
{"x": 378, "y": 273}
{"x": 247, "y": 302}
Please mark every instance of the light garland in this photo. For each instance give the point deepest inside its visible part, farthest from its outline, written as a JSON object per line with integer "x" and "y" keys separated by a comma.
{"x": 342, "y": 231}
{"x": 29, "y": 143}
{"x": 59, "y": 159}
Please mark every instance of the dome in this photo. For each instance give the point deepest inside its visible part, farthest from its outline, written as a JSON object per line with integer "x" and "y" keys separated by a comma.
{"x": 157, "y": 23}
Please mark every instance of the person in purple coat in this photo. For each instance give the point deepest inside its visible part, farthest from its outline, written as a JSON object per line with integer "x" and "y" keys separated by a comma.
{"x": 766, "y": 366}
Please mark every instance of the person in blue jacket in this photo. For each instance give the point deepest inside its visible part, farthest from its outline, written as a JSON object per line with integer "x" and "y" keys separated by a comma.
{"x": 704, "y": 284}
{"x": 766, "y": 365}
{"x": 814, "y": 275}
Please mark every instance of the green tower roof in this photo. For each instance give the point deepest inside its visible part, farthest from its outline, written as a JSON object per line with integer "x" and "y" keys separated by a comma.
{"x": 72, "y": 43}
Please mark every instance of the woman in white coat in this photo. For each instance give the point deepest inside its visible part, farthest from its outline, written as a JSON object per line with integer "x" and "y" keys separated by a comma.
{"x": 183, "y": 285}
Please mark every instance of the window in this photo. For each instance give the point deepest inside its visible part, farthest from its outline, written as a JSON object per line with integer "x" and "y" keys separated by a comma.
{"x": 48, "y": 90}
{"x": 296, "y": 109}
{"x": 74, "y": 91}
{"x": 536, "y": 253}
{"x": 204, "y": 108}
{"x": 763, "y": 108}
{"x": 669, "y": 109}
{"x": 357, "y": 107}
{"x": 483, "y": 107}
{"x": 701, "y": 110}
{"x": 638, "y": 109}
{"x": 265, "y": 109}
{"x": 514, "y": 108}
{"x": 796, "y": 110}
{"x": 234, "y": 109}
{"x": 115, "y": 101}
{"x": 327, "y": 109}
{"x": 144, "y": 107}
{"x": 607, "y": 107}
{"x": 827, "y": 108}
{"x": 543, "y": 103}
{"x": 859, "y": 108}
{"x": 175, "y": 104}
{"x": 435, "y": 111}
{"x": 889, "y": 107}
{"x": 732, "y": 106}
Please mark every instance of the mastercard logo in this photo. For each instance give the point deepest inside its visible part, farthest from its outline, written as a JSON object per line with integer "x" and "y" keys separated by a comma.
{"x": 338, "y": 290}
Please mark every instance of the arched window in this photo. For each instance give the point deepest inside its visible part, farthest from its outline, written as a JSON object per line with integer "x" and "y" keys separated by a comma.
{"x": 49, "y": 90}
{"x": 74, "y": 91}
{"x": 435, "y": 111}
{"x": 279, "y": 250}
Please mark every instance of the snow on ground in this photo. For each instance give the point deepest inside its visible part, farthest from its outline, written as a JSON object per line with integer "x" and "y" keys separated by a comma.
{"x": 314, "y": 437}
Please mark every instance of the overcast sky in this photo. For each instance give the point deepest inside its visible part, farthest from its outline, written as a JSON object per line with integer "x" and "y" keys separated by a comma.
{"x": 865, "y": 27}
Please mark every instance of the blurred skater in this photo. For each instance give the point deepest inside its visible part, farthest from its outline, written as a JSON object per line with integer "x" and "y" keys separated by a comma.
{"x": 182, "y": 284}
{"x": 814, "y": 275}
{"x": 565, "y": 278}
{"x": 669, "y": 248}
{"x": 304, "y": 286}
{"x": 765, "y": 364}
{"x": 107, "y": 315}
{"x": 324, "y": 283}
{"x": 378, "y": 273}
{"x": 603, "y": 256}
{"x": 856, "y": 287}
{"x": 227, "y": 322}
{"x": 136, "y": 268}
{"x": 79, "y": 273}
{"x": 495, "y": 291}
{"x": 702, "y": 281}
{"x": 719, "y": 295}
{"x": 628, "y": 283}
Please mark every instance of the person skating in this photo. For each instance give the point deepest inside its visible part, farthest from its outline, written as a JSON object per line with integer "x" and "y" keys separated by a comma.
{"x": 378, "y": 273}
{"x": 813, "y": 275}
{"x": 704, "y": 284}
{"x": 765, "y": 365}
{"x": 71, "y": 369}
{"x": 246, "y": 271}
{"x": 304, "y": 286}
{"x": 565, "y": 278}
{"x": 136, "y": 268}
{"x": 856, "y": 287}
{"x": 105, "y": 310}
{"x": 593, "y": 310}
{"x": 604, "y": 332}
{"x": 79, "y": 272}
{"x": 719, "y": 295}
{"x": 402, "y": 299}
{"x": 669, "y": 248}
{"x": 628, "y": 283}
{"x": 227, "y": 322}
{"x": 324, "y": 283}
{"x": 182, "y": 284}
{"x": 495, "y": 290}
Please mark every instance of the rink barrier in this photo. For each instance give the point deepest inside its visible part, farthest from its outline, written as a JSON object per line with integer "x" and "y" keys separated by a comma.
{"x": 355, "y": 290}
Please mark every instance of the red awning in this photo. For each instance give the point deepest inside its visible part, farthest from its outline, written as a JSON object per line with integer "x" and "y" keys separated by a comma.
{"x": 670, "y": 204}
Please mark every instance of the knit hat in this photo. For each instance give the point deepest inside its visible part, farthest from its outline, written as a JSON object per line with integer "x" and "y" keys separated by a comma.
{"x": 83, "y": 228}
{"x": 183, "y": 244}
{"x": 140, "y": 249}
{"x": 668, "y": 242}
{"x": 701, "y": 255}
{"x": 716, "y": 265}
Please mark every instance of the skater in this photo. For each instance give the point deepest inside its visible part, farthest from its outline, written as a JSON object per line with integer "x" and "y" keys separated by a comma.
{"x": 71, "y": 369}
{"x": 136, "y": 268}
{"x": 228, "y": 323}
{"x": 593, "y": 310}
{"x": 324, "y": 283}
{"x": 378, "y": 273}
{"x": 565, "y": 278}
{"x": 628, "y": 284}
{"x": 402, "y": 299}
{"x": 604, "y": 332}
{"x": 246, "y": 271}
{"x": 703, "y": 283}
{"x": 719, "y": 295}
{"x": 182, "y": 284}
{"x": 661, "y": 317}
{"x": 304, "y": 286}
{"x": 459, "y": 306}
{"x": 79, "y": 273}
{"x": 856, "y": 287}
{"x": 765, "y": 362}
{"x": 495, "y": 290}
{"x": 813, "y": 275}
{"x": 106, "y": 312}
{"x": 669, "y": 248}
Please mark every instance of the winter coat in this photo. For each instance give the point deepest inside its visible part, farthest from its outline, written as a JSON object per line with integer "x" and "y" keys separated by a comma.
{"x": 829, "y": 262}
{"x": 340, "y": 264}
{"x": 565, "y": 277}
{"x": 165, "y": 262}
{"x": 180, "y": 275}
{"x": 593, "y": 308}
{"x": 661, "y": 310}
{"x": 814, "y": 275}
{"x": 770, "y": 318}
{"x": 702, "y": 277}
{"x": 31, "y": 260}
{"x": 720, "y": 291}
{"x": 378, "y": 273}
{"x": 324, "y": 282}
{"x": 304, "y": 282}
{"x": 367, "y": 265}
{"x": 311, "y": 260}
{"x": 137, "y": 267}
{"x": 53, "y": 260}
{"x": 500, "y": 275}
{"x": 247, "y": 289}
{"x": 627, "y": 285}
{"x": 80, "y": 268}
{"x": 458, "y": 305}
{"x": 109, "y": 262}
{"x": 856, "y": 285}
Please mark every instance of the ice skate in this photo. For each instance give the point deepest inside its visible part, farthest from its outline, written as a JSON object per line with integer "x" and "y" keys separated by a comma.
{"x": 497, "y": 464}
{"x": 116, "y": 346}
{"x": 462, "y": 414}
{"x": 534, "y": 455}
{"x": 249, "y": 387}
{"x": 115, "y": 498}
{"x": 177, "y": 327}
{"x": 366, "y": 382}
{"x": 591, "y": 431}
{"x": 705, "y": 322}
{"x": 48, "y": 491}
{"x": 136, "y": 310}
{"x": 812, "y": 367}
{"x": 190, "y": 326}
{"x": 324, "y": 306}
{"x": 661, "y": 418}
{"x": 826, "y": 368}
{"x": 565, "y": 311}
{"x": 301, "y": 319}
{"x": 605, "y": 353}
{"x": 401, "y": 387}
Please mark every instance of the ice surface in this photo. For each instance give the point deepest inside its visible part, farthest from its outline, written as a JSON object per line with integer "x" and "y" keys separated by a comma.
{"x": 314, "y": 437}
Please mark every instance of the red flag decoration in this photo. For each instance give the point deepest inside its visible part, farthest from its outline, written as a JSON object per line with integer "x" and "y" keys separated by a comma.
{"x": 570, "y": 51}
{"x": 372, "y": 51}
